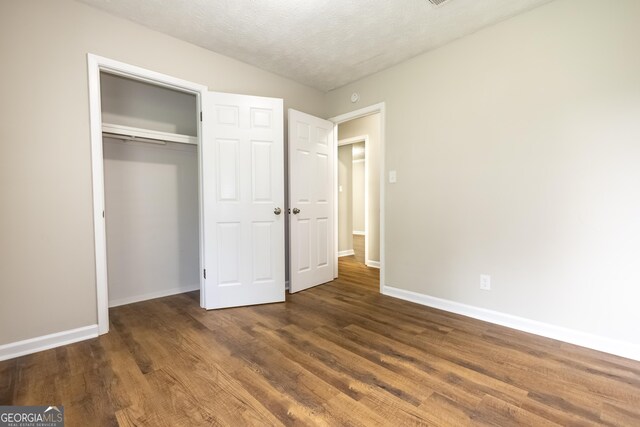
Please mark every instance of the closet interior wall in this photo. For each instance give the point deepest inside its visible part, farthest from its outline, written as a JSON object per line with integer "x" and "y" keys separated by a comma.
{"x": 151, "y": 192}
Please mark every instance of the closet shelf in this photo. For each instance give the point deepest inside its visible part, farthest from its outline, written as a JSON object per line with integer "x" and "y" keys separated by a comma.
{"x": 133, "y": 133}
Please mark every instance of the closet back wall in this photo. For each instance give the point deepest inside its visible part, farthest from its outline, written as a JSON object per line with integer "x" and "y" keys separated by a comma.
{"x": 151, "y": 194}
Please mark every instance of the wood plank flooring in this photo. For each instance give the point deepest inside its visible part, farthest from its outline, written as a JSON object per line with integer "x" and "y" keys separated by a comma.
{"x": 338, "y": 354}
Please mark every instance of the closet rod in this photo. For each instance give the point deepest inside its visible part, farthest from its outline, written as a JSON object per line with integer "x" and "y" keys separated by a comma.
{"x": 134, "y": 138}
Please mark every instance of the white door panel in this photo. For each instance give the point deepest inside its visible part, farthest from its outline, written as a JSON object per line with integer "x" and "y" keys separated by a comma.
{"x": 243, "y": 184}
{"x": 310, "y": 200}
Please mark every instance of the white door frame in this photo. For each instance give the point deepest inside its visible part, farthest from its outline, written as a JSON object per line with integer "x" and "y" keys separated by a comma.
{"x": 96, "y": 64}
{"x": 362, "y": 112}
{"x": 351, "y": 141}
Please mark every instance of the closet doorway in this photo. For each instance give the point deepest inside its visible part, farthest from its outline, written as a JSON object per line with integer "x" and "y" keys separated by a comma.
{"x": 236, "y": 256}
{"x": 145, "y": 150}
{"x": 150, "y": 151}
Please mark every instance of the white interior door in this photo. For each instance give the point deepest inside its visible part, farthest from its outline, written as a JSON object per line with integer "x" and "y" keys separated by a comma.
{"x": 243, "y": 200}
{"x": 311, "y": 175}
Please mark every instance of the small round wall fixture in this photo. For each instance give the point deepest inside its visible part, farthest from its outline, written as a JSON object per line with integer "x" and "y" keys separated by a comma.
{"x": 355, "y": 97}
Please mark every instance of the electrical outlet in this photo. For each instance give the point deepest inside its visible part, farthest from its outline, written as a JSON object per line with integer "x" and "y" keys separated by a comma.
{"x": 485, "y": 282}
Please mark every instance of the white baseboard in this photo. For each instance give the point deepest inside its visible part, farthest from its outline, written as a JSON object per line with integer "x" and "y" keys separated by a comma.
{"x": 373, "y": 264}
{"x": 152, "y": 295}
{"x": 46, "y": 342}
{"x": 583, "y": 339}
{"x": 358, "y": 233}
{"x": 348, "y": 252}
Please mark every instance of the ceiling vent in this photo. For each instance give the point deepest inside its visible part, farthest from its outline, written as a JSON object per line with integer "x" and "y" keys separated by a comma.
{"x": 437, "y": 2}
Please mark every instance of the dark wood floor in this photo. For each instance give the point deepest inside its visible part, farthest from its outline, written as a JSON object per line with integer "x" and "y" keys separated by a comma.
{"x": 339, "y": 354}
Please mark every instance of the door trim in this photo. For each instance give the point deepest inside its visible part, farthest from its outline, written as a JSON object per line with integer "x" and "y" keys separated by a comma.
{"x": 362, "y": 112}
{"x": 351, "y": 141}
{"x": 96, "y": 64}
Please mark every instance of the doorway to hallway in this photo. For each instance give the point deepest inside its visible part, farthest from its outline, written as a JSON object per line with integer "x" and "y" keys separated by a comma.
{"x": 358, "y": 191}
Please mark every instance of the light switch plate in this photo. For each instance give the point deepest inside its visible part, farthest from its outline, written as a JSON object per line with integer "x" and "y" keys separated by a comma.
{"x": 392, "y": 177}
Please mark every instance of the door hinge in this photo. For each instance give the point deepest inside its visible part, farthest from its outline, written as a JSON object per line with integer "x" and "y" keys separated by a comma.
{"x": 205, "y": 273}
{"x": 200, "y": 115}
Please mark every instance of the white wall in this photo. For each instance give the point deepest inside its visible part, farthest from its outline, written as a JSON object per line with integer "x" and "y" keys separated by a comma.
{"x": 47, "y": 269}
{"x": 345, "y": 198}
{"x": 517, "y": 155}
{"x": 151, "y": 201}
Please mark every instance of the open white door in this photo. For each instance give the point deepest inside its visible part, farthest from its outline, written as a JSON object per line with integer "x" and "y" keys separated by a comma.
{"x": 311, "y": 170}
{"x": 243, "y": 200}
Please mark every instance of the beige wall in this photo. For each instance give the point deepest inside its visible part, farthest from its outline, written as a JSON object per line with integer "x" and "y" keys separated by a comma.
{"x": 358, "y": 188}
{"x": 345, "y": 198}
{"x": 47, "y": 271}
{"x": 517, "y": 152}
{"x": 368, "y": 125}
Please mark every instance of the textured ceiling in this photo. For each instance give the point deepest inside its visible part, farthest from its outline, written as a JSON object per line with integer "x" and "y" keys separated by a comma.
{"x": 322, "y": 43}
